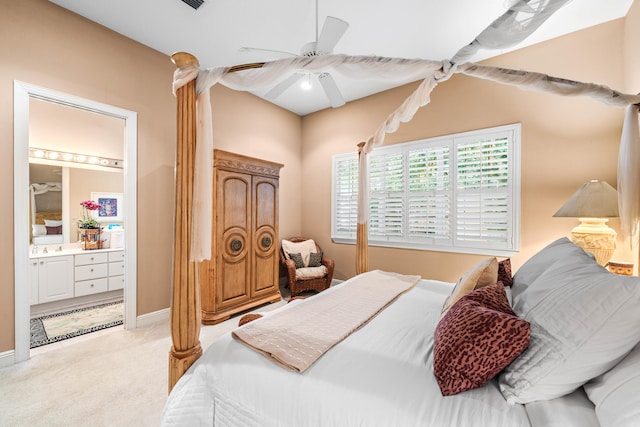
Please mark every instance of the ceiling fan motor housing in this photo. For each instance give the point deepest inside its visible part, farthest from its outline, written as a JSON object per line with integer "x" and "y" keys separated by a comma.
{"x": 310, "y": 51}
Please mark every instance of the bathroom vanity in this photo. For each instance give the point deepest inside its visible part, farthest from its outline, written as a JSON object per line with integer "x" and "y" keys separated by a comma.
{"x": 75, "y": 275}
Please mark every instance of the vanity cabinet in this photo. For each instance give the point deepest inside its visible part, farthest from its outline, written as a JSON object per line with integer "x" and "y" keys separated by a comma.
{"x": 116, "y": 270}
{"x": 243, "y": 271}
{"x": 91, "y": 271}
{"x": 54, "y": 279}
{"x": 99, "y": 272}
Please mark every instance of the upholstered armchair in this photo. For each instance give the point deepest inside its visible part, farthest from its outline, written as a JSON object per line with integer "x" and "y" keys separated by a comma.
{"x": 307, "y": 268}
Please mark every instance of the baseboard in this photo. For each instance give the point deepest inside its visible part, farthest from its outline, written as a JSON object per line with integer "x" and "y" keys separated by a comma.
{"x": 7, "y": 358}
{"x": 153, "y": 317}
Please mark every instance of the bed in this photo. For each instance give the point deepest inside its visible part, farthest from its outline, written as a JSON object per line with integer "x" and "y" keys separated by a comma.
{"x": 47, "y": 228}
{"x": 579, "y": 367}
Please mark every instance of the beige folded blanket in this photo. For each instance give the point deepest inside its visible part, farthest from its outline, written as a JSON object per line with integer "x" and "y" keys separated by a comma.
{"x": 296, "y": 337}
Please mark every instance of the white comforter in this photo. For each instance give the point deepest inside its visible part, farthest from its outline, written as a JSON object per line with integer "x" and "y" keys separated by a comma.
{"x": 381, "y": 375}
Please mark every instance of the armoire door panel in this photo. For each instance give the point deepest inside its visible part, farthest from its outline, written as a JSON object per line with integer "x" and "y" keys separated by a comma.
{"x": 234, "y": 276}
{"x": 265, "y": 201}
{"x": 236, "y": 200}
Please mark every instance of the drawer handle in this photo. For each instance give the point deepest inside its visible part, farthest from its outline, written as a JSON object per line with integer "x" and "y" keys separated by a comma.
{"x": 92, "y": 285}
{"x": 91, "y": 270}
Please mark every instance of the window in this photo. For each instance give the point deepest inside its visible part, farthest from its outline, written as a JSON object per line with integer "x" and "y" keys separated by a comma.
{"x": 458, "y": 193}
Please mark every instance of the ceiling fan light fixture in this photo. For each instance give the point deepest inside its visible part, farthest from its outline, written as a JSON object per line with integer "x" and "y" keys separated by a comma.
{"x": 306, "y": 83}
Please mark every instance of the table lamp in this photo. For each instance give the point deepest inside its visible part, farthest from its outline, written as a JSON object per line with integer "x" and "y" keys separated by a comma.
{"x": 593, "y": 204}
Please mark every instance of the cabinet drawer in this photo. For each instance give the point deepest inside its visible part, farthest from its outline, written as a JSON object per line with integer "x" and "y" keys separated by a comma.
{"x": 88, "y": 287}
{"x": 116, "y": 282}
{"x": 116, "y": 268}
{"x": 116, "y": 256}
{"x": 91, "y": 258}
{"x": 87, "y": 272}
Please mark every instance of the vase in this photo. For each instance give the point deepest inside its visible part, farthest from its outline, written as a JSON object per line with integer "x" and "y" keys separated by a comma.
{"x": 90, "y": 238}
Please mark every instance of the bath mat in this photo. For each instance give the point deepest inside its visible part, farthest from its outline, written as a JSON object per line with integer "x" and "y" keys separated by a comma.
{"x": 61, "y": 326}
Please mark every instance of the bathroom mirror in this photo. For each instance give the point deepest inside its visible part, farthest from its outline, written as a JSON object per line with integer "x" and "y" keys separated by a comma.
{"x": 73, "y": 154}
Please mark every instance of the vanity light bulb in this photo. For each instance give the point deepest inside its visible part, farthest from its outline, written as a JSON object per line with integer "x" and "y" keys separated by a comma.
{"x": 93, "y": 160}
{"x": 67, "y": 157}
{"x": 81, "y": 158}
{"x": 39, "y": 153}
{"x": 104, "y": 162}
{"x": 53, "y": 155}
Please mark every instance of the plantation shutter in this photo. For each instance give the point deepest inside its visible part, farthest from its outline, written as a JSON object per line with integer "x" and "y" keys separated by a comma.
{"x": 482, "y": 202}
{"x": 345, "y": 196}
{"x": 429, "y": 198}
{"x": 386, "y": 196}
{"x": 458, "y": 193}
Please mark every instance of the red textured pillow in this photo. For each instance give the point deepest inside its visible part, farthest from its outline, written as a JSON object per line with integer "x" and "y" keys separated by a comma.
{"x": 504, "y": 272}
{"x": 477, "y": 338}
{"x": 54, "y": 230}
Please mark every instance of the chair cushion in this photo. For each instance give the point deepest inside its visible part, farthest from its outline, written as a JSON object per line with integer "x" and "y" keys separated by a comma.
{"x": 308, "y": 273}
{"x": 303, "y": 248}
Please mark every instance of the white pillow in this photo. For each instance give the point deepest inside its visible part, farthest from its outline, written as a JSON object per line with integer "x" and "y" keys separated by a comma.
{"x": 38, "y": 229}
{"x": 302, "y": 248}
{"x": 583, "y": 319}
{"x": 53, "y": 222}
{"x": 538, "y": 263}
{"x": 616, "y": 393}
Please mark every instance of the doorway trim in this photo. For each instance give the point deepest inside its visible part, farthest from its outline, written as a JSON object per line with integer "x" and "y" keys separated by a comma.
{"x": 22, "y": 93}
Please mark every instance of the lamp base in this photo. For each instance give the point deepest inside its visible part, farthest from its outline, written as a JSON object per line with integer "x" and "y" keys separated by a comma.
{"x": 596, "y": 237}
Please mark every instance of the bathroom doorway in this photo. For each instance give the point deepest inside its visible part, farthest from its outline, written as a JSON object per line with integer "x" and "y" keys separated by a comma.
{"x": 24, "y": 97}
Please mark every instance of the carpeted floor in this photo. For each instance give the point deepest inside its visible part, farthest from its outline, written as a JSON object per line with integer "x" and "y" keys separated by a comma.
{"x": 117, "y": 379}
{"x": 61, "y": 326}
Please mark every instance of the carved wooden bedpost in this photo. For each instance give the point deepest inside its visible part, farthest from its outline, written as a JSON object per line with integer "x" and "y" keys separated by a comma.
{"x": 362, "y": 239}
{"x": 185, "y": 306}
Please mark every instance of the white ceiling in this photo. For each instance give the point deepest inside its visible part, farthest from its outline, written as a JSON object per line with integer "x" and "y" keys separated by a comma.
{"x": 428, "y": 29}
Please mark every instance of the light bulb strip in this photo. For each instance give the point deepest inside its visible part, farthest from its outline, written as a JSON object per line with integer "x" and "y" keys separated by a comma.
{"x": 41, "y": 153}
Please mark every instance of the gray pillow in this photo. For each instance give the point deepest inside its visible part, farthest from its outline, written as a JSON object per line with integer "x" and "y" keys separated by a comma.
{"x": 615, "y": 393}
{"x": 297, "y": 259}
{"x": 315, "y": 259}
{"x": 583, "y": 319}
{"x": 538, "y": 263}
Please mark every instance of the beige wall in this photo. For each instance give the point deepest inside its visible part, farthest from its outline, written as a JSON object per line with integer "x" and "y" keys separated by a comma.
{"x": 565, "y": 142}
{"x": 631, "y": 43}
{"x": 47, "y": 46}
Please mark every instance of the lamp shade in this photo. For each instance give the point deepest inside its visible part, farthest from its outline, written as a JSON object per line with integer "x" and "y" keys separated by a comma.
{"x": 595, "y": 199}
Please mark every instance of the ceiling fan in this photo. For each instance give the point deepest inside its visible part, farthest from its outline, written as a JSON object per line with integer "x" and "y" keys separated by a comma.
{"x": 332, "y": 30}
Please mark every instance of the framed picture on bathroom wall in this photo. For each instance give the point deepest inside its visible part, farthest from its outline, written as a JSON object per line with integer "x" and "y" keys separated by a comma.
{"x": 111, "y": 208}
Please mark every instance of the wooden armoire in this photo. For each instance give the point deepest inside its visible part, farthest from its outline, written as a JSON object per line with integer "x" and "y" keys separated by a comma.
{"x": 243, "y": 271}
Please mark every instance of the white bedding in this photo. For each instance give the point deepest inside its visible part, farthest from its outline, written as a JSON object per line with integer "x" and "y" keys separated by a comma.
{"x": 381, "y": 375}
{"x": 48, "y": 239}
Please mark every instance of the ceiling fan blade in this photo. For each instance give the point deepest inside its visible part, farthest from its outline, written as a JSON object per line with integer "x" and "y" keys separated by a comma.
{"x": 331, "y": 90}
{"x": 332, "y": 30}
{"x": 258, "y": 50}
{"x": 278, "y": 89}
